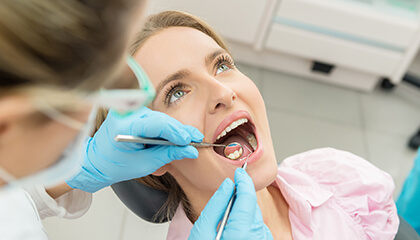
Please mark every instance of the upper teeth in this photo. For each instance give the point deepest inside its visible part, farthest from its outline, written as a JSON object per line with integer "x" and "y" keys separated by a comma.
{"x": 252, "y": 141}
{"x": 232, "y": 126}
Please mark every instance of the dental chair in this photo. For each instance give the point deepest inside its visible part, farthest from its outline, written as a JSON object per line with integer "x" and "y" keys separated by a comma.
{"x": 142, "y": 200}
{"x": 145, "y": 202}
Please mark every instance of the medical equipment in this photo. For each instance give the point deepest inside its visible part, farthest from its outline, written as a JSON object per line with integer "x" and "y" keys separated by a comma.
{"x": 152, "y": 141}
{"x": 414, "y": 80}
{"x": 229, "y": 207}
{"x": 123, "y": 101}
{"x": 233, "y": 151}
{"x": 134, "y": 98}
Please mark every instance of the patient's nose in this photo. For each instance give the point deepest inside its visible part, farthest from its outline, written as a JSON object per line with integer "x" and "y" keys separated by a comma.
{"x": 220, "y": 96}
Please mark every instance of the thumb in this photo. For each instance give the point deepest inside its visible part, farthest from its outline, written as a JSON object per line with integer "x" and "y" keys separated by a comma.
{"x": 206, "y": 225}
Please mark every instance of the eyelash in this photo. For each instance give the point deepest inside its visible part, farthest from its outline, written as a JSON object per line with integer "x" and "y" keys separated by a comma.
{"x": 171, "y": 90}
{"x": 223, "y": 59}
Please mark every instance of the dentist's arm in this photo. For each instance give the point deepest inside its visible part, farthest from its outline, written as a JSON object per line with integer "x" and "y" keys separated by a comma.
{"x": 245, "y": 221}
{"x": 107, "y": 161}
{"x": 59, "y": 190}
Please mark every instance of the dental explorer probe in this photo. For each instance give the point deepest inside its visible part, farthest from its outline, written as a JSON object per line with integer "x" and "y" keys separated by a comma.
{"x": 152, "y": 141}
{"x": 229, "y": 207}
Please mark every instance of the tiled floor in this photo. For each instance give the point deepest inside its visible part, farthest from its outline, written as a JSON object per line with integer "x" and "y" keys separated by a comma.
{"x": 303, "y": 114}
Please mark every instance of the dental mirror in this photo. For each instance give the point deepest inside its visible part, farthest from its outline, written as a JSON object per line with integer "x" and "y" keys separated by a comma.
{"x": 233, "y": 151}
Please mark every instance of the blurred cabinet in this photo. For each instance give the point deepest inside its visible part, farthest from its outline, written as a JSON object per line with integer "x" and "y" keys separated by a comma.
{"x": 352, "y": 43}
{"x": 236, "y": 20}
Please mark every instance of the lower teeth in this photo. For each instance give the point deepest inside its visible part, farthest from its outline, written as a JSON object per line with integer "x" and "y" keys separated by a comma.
{"x": 236, "y": 154}
{"x": 237, "y": 148}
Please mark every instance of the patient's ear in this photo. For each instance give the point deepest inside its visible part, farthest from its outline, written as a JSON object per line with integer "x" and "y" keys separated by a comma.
{"x": 162, "y": 170}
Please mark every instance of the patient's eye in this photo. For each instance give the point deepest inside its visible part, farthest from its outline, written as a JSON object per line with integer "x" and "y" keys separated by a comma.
{"x": 175, "y": 93}
{"x": 224, "y": 63}
{"x": 222, "y": 68}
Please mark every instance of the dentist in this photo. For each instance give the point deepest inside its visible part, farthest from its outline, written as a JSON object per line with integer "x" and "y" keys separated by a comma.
{"x": 55, "y": 56}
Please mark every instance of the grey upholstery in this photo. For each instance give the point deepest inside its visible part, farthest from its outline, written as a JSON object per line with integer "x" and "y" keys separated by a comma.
{"x": 142, "y": 200}
{"x": 406, "y": 231}
{"x": 145, "y": 203}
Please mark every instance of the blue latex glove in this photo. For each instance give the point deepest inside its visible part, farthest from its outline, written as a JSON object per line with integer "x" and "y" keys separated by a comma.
{"x": 245, "y": 221}
{"x": 107, "y": 161}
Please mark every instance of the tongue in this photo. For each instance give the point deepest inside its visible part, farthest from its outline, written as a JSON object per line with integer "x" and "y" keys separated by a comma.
{"x": 235, "y": 138}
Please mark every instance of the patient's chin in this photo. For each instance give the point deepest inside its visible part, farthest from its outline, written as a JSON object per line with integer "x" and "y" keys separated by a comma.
{"x": 264, "y": 176}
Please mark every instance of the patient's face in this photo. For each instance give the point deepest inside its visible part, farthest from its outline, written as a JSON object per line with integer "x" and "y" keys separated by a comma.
{"x": 198, "y": 84}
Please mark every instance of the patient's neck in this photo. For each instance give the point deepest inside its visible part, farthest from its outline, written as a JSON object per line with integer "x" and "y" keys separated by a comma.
{"x": 275, "y": 211}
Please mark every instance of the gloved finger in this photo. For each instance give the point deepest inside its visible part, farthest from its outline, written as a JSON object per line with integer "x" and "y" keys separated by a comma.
{"x": 263, "y": 232}
{"x": 206, "y": 225}
{"x": 196, "y": 135}
{"x": 267, "y": 233}
{"x": 159, "y": 125}
{"x": 258, "y": 220}
{"x": 259, "y": 228}
{"x": 243, "y": 209}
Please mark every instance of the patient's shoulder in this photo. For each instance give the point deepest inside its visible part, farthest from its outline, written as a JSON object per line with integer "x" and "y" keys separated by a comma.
{"x": 329, "y": 166}
{"x": 361, "y": 190}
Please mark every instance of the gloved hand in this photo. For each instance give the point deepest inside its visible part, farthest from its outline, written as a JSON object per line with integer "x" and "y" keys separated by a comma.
{"x": 245, "y": 221}
{"x": 107, "y": 161}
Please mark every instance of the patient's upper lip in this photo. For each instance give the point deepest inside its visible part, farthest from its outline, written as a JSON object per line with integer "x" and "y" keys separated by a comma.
{"x": 229, "y": 120}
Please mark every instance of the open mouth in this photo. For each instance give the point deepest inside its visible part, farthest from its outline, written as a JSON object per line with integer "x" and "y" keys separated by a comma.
{"x": 240, "y": 138}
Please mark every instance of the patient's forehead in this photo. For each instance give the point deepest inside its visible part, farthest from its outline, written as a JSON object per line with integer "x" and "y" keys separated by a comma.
{"x": 173, "y": 49}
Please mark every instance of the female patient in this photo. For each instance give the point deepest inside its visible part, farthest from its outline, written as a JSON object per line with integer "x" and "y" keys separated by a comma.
{"x": 320, "y": 194}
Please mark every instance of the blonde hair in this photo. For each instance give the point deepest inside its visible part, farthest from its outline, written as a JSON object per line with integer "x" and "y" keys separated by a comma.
{"x": 156, "y": 23}
{"x": 71, "y": 44}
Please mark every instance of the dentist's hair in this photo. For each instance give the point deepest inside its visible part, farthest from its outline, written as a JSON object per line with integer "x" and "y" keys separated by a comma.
{"x": 71, "y": 44}
{"x": 167, "y": 182}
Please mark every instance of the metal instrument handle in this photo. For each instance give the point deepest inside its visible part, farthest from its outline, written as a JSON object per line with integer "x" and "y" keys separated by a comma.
{"x": 152, "y": 141}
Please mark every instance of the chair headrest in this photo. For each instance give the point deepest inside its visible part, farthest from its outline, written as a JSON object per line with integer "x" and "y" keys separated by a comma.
{"x": 142, "y": 200}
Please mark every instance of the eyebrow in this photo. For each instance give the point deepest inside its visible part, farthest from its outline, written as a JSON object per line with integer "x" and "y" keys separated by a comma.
{"x": 209, "y": 58}
{"x": 184, "y": 73}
